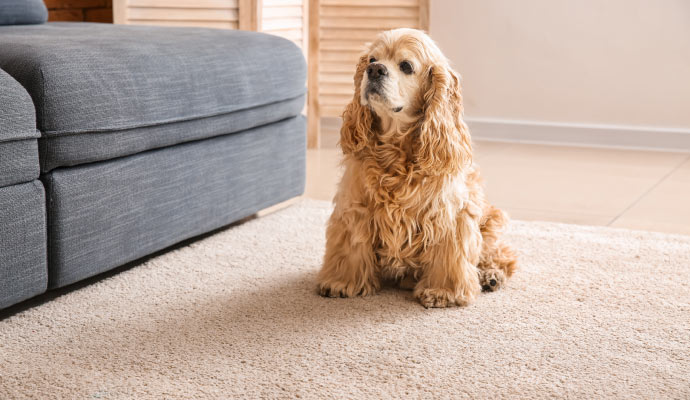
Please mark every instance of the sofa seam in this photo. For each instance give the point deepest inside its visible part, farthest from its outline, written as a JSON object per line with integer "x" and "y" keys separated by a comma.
{"x": 20, "y": 139}
{"x": 58, "y": 133}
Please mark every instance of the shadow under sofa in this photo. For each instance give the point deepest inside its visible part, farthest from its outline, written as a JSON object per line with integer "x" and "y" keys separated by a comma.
{"x": 153, "y": 135}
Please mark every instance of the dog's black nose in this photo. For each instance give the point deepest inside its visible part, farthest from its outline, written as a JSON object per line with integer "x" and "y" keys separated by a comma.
{"x": 375, "y": 71}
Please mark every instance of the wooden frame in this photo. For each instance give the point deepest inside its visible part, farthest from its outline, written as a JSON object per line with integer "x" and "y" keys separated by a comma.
{"x": 313, "y": 114}
{"x": 424, "y": 15}
{"x": 119, "y": 11}
{"x": 250, "y": 15}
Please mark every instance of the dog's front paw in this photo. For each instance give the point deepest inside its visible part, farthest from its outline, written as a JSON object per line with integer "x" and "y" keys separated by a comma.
{"x": 439, "y": 298}
{"x": 492, "y": 279}
{"x": 341, "y": 289}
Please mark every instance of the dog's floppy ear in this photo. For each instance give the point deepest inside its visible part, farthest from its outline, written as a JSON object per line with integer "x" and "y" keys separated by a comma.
{"x": 444, "y": 144}
{"x": 357, "y": 119}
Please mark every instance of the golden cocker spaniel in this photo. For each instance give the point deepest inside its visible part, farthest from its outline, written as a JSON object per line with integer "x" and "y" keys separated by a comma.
{"x": 410, "y": 205}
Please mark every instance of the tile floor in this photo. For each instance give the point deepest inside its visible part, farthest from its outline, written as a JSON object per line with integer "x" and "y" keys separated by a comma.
{"x": 588, "y": 186}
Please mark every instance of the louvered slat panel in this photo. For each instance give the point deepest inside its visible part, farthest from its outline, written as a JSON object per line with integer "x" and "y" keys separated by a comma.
{"x": 338, "y": 68}
{"x": 184, "y": 3}
{"x": 281, "y": 23}
{"x": 282, "y": 12}
{"x": 198, "y": 24}
{"x": 335, "y": 100}
{"x": 340, "y": 56}
{"x": 282, "y": 3}
{"x": 370, "y": 12}
{"x": 183, "y": 14}
{"x": 336, "y": 78}
{"x": 337, "y": 89}
{"x": 361, "y": 35}
{"x": 371, "y": 3}
{"x": 221, "y": 14}
{"x": 379, "y": 23}
{"x": 331, "y": 111}
{"x": 342, "y": 45}
{"x": 285, "y": 18}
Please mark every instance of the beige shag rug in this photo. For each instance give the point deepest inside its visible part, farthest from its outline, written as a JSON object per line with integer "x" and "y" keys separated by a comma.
{"x": 593, "y": 313}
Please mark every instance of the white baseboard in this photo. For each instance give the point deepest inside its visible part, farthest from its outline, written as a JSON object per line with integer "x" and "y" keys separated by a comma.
{"x": 589, "y": 135}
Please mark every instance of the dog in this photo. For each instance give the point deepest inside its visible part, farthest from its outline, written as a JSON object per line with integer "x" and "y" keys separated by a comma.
{"x": 410, "y": 206}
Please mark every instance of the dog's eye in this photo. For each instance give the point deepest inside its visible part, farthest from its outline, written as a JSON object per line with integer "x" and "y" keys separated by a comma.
{"x": 406, "y": 67}
{"x": 372, "y": 60}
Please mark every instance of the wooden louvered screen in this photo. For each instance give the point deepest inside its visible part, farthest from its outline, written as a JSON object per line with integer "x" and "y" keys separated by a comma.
{"x": 339, "y": 32}
{"x": 286, "y": 18}
{"x": 223, "y": 14}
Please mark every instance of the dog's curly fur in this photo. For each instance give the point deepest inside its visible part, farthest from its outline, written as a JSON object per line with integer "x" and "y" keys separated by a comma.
{"x": 410, "y": 205}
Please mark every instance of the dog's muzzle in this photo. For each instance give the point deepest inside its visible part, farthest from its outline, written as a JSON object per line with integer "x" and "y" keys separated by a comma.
{"x": 375, "y": 75}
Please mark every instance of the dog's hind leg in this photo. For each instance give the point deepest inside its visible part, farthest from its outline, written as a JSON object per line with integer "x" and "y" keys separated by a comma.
{"x": 498, "y": 261}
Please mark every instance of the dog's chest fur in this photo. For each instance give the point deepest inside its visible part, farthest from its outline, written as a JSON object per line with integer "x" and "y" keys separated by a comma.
{"x": 410, "y": 212}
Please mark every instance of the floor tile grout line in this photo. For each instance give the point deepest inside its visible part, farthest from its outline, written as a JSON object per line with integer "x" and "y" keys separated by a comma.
{"x": 648, "y": 191}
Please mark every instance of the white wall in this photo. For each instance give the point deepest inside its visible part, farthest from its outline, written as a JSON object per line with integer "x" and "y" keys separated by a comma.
{"x": 621, "y": 62}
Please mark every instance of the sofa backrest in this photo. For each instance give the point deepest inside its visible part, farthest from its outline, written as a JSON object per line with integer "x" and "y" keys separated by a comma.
{"x": 22, "y": 12}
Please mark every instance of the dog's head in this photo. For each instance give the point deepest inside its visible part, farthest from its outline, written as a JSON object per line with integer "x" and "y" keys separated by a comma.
{"x": 404, "y": 83}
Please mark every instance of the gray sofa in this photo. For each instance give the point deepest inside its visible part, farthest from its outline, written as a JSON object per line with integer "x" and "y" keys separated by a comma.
{"x": 143, "y": 137}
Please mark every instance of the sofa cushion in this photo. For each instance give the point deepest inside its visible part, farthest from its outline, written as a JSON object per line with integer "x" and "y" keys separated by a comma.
{"x": 105, "y": 214}
{"x": 70, "y": 150}
{"x": 20, "y": 12}
{"x": 92, "y": 78}
{"x": 18, "y": 149}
